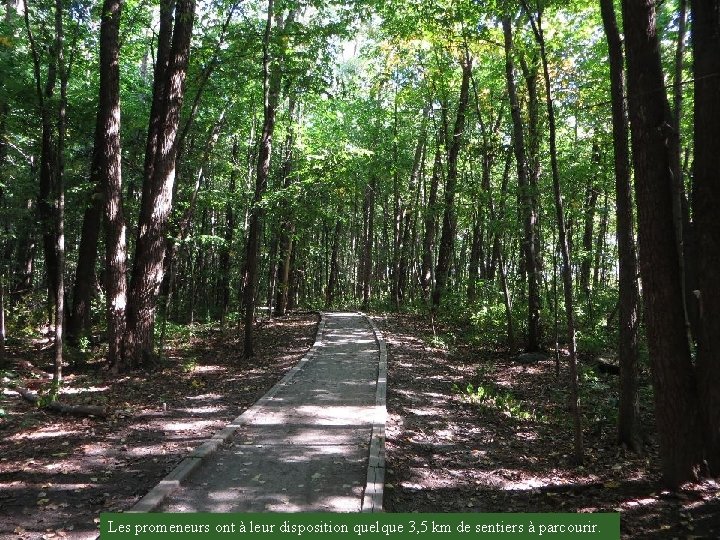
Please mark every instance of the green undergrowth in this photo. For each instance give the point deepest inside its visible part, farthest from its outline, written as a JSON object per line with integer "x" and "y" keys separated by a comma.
{"x": 489, "y": 396}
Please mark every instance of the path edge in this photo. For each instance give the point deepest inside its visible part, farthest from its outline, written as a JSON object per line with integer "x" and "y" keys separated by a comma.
{"x": 375, "y": 483}
{"x": 157, "y": 495}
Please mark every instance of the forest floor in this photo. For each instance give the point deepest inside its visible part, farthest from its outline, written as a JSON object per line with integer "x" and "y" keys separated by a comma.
{"x": 508, "y": 448}
{"x": 59, "y": 472}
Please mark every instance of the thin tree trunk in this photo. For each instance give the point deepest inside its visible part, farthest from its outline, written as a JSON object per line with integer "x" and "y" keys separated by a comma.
{"x": 272, "y": 77}
{"x": 59, "y": 197}
{"x": 591, "y": 197}
{"x": 530, "y": 258}
{"x": 629, "y": 407}
{"x": 48, "y": 160}
{"x": 564, "y": 249}
{"x": 368, "y": 240}
{"x": 426, "y": 272}
{"x": 2, "y": 318}
{"x": 675, "y": 389}
{"x": 680, "y": 204}
{"x": 447, "y": 239}
{"x": 287, "y": 227}
{"x": 407, "y": 213}
{"x": 224, "y": 263}
{"x": 334, "y": 267}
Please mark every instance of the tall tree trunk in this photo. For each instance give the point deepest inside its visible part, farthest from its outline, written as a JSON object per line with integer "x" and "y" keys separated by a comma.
{"x": 680, "y": 204}
{"x": 534, "y": 328}
{"x": 476, "y": 256}
{"x": 407, "y": 213}
{"x": 84, "y": 285}
{"x": 2, "y": 318}
{"x": 368, "y": 240}
{"x": 224, "y": 263}
{"x": 706, "y": 198}
{"x": 675, "y": 389}
{"x": 59, "y": 196}
{"x": 287, "y": 226}
{"x": 106, "y": 172}
{"x": 426, "y": 272}
{"x": 156, "y": 204}
{"x": 272, "y": 77}
{"x": 447, "y": 238}
{"x": 48, "y": 160}
{"x": 591, "y": 197}
{"x": 563, "y": 241}
{"x": 334, "y": 267}
{"x": 629, "y": 408}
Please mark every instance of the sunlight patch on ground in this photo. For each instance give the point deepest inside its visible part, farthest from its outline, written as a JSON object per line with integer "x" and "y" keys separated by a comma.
{"x": 202, "y": 397}
{"x": 70, "y": 391}
{"x": 201, "y": 410}
{"x": 44, "y": 433}
{"x": 188, "y": 426}
{"x": 429, "y": 411}
{"x": 209, "y": 369}
{"x": 320, "y": 415}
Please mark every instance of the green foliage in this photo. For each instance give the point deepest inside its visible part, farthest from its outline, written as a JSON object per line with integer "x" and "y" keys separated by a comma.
{"x": 490, "y": 396}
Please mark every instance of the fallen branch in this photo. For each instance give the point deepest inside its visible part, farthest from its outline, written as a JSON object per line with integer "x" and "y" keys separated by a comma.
{"x": 63, "y": 408}
{"x": 25, "y": 364}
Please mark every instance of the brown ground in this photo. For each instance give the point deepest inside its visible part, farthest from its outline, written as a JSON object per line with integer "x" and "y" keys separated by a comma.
{"x": 448, "y": 453}
{"x": 58, "y": 472}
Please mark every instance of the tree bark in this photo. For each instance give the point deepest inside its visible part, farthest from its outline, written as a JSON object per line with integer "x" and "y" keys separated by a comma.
{"x": 48, "y": 159}
{"x": 287, "y": 227}
{"x": 59, "y": 196}
{"x": 564, "y": 248}
{"x": 706, "y": 198}
{"x": 272, "y": 78}
{"x": 675, "y": 389}
{"x": 428, "y": 253}
{"x": 157, "y": 188}
{"x": 334, "y": 267}
{"x": 629, "y": 408}
{"x": 224, "y": 259}
{"x": 84, "y": 285}
{"x": 447, "y": 238}
{"x": 106, "y": 172}
{"x": 534, "y": 336}
{"x": 368, "y": 241}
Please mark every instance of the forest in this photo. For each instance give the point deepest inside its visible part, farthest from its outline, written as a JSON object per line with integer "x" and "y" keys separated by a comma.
{"x": 523, "y": 183}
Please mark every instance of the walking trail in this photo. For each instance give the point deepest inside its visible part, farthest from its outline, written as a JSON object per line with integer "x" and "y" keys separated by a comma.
{"x": 313, "y": 443}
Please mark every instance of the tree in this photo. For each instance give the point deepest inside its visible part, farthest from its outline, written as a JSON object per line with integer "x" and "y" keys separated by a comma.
{"x": 168, "y": 93}
{"x": 706, "y": 200}
{"x": 528, "y": 217}
{"x": 106, "y": 172}
{"x": 675, "y": 390}
{"x": 272, "y": 79}
{"x": 628, "y": 414}
{"x": 536, "y": 22}
{"x": 447, "y": 238}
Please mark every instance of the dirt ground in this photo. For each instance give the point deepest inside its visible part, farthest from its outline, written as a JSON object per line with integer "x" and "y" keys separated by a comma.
{"x": 59, "y": 472}
{"x": 506, "y": 448}
{"x": 509, "y": 448}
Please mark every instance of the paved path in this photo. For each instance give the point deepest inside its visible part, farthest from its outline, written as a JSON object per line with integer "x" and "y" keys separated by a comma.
{"x": 314, "y": 442}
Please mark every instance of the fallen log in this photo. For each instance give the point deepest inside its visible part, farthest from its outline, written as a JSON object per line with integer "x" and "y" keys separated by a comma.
{"x": 63, "y": 408}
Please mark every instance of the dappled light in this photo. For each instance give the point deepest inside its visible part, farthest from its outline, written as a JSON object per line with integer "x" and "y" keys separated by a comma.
{"x": 449, "y": 451}
{"x": 304, "y": 447}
